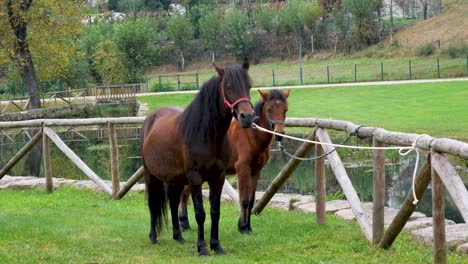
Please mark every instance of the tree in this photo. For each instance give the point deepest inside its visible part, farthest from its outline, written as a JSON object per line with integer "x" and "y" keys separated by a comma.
{"x": 239, "y": 34}
{"x": 364, "y": 24}
{"x": 38, "y": 33}
{"x": 294, "y": 17}
{"x": 210, "y": 32}
{"x": 18, "y": 44}
{"x": 311, "y": 17}
{"x": 38, "y": 39}
{"x": 109, "y": 63}
{"x": 180, "y": 31}
{"x": 135, "y": 39}
{"x": 425, "y": 6}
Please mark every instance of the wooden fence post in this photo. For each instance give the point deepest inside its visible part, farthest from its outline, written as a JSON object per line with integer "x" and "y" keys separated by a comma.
{"x": 438, "y": 219}
{"x": 130, "y": 182}
{"x": 452, "y": 181}
{"x": 407, "y": 208}
{"x": 378, "y": 192}
{"x": 47, "y": 164}
{"x": 114, "y": 151}
{"x": 345, "y": 183}
{"x": 320, "y": 186}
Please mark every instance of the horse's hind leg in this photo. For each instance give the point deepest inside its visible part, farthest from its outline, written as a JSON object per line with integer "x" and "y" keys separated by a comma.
{"x": 183, "y": 216}
{"x": 174, "y": 192}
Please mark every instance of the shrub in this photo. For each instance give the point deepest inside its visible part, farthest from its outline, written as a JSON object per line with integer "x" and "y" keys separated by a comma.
{"x": 425, "y": 50}
{"x": 457, "y": 48}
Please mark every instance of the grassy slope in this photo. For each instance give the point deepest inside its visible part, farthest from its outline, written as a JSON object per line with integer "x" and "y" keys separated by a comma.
{"x": 450, "y": 25}
{"x": 438, "y": 109}
{"x": 82, "y": 227}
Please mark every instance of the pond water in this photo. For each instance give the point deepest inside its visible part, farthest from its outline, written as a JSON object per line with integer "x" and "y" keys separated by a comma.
{"x": 358, "y": 163}
{"x": 94, "y": 151}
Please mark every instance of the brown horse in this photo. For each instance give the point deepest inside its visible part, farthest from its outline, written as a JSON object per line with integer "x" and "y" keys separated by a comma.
{"x": 250, "y": 151}
{"x": 187, "y": 148}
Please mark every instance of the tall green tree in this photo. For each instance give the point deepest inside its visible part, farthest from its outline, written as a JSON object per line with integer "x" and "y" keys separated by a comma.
{"x": 180, "y": 31}
{"x": 210, "y": 32}
{"x": 239, "y": 34}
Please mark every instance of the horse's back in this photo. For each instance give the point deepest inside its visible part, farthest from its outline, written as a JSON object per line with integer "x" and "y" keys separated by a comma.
{"x": 162, "y": 146}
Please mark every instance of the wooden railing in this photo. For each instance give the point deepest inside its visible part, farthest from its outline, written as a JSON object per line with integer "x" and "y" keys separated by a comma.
{"x": 119, "y": 92}
{"x": 438, "y": 168}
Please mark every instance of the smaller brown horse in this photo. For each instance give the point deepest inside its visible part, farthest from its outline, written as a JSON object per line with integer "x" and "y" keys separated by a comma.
{"x": 250, "y": 151}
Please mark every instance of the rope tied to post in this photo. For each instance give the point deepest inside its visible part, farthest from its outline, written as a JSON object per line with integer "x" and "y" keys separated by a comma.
{"x": 350, "y": 135}
{"x": 403, "y": 151}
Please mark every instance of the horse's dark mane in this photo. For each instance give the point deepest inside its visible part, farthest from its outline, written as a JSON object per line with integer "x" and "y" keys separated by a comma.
{"x": 272, "y": 95}
{"x": 198, "y": 121}
{"x": 206, "y": 118}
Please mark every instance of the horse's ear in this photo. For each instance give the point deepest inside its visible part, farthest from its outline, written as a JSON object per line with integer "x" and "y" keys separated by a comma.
{"x": 286, "y": 93}
{"x": 263, "y": 94}
{"x": 245, "y": 64}
{"x": 219, "y": 69}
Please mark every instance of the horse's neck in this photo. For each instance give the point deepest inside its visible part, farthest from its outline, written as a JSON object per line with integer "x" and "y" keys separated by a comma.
{"x": 264, "y": 137}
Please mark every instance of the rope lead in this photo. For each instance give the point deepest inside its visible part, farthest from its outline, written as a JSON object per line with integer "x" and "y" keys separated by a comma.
{"x": 403, "y": 151}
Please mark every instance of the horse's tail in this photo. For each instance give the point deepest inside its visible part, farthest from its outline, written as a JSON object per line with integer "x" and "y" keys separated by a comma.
{"x": 155, "y": 189}
{"x": 157, "y": 201}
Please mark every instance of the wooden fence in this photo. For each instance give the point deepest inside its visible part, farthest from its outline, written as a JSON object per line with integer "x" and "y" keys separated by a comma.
{"x": 120, "y": 92}
{"x": 437, "y": 169}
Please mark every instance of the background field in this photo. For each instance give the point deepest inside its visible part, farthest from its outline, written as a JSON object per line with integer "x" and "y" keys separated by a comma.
{"x": 439, "y": 108}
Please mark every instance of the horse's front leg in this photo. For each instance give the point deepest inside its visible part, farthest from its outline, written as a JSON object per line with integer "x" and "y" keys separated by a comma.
{"x": 197, "y": 198}
{"x": 216, "y": 188}
{"x": 243, "y": 182}
{"x": 252, "y": 188}
{"x": 183, "y": 216}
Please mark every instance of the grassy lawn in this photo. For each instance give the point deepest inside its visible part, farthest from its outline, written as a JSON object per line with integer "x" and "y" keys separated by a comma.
{"x": 438, "y": 109}
{"x": 80, "y": 226}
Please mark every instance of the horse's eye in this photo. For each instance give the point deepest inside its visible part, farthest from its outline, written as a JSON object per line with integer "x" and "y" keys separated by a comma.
{"x": 269, "y": 111}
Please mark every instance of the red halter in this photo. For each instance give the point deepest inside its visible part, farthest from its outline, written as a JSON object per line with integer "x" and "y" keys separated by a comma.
{"x": 232, "y": 105}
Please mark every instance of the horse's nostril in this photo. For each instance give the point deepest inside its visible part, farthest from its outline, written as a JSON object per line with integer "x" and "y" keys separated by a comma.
{"x": 242, "y": 115}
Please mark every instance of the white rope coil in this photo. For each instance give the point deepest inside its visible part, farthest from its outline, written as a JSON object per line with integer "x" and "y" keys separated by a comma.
{"x": 403, "y": 151}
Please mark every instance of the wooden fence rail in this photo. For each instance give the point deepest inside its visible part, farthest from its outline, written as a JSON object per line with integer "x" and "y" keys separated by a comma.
{"x": 437, "y": 165}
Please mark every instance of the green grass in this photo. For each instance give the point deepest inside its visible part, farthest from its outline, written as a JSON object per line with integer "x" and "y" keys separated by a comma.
{"x": 439, "y": 108}
{"x": 79, "y": 226}
{"x": 343, "y": 70}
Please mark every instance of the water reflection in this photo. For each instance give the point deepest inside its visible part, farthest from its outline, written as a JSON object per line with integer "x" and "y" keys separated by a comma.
{"x": 398, "y": 171}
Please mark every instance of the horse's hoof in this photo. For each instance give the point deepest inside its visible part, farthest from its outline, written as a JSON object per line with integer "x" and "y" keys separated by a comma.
{"x": 153, "y": 239}
{"x": 219, "y": 251}
{"x": 181, "y": 240}
{"x": 245, "y": 231}
{"x": 184, "y": 228}
{"x": 203, "y": 251}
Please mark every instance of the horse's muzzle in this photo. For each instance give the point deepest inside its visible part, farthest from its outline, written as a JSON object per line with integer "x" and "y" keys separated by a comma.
{"x": 246, "y": 119}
